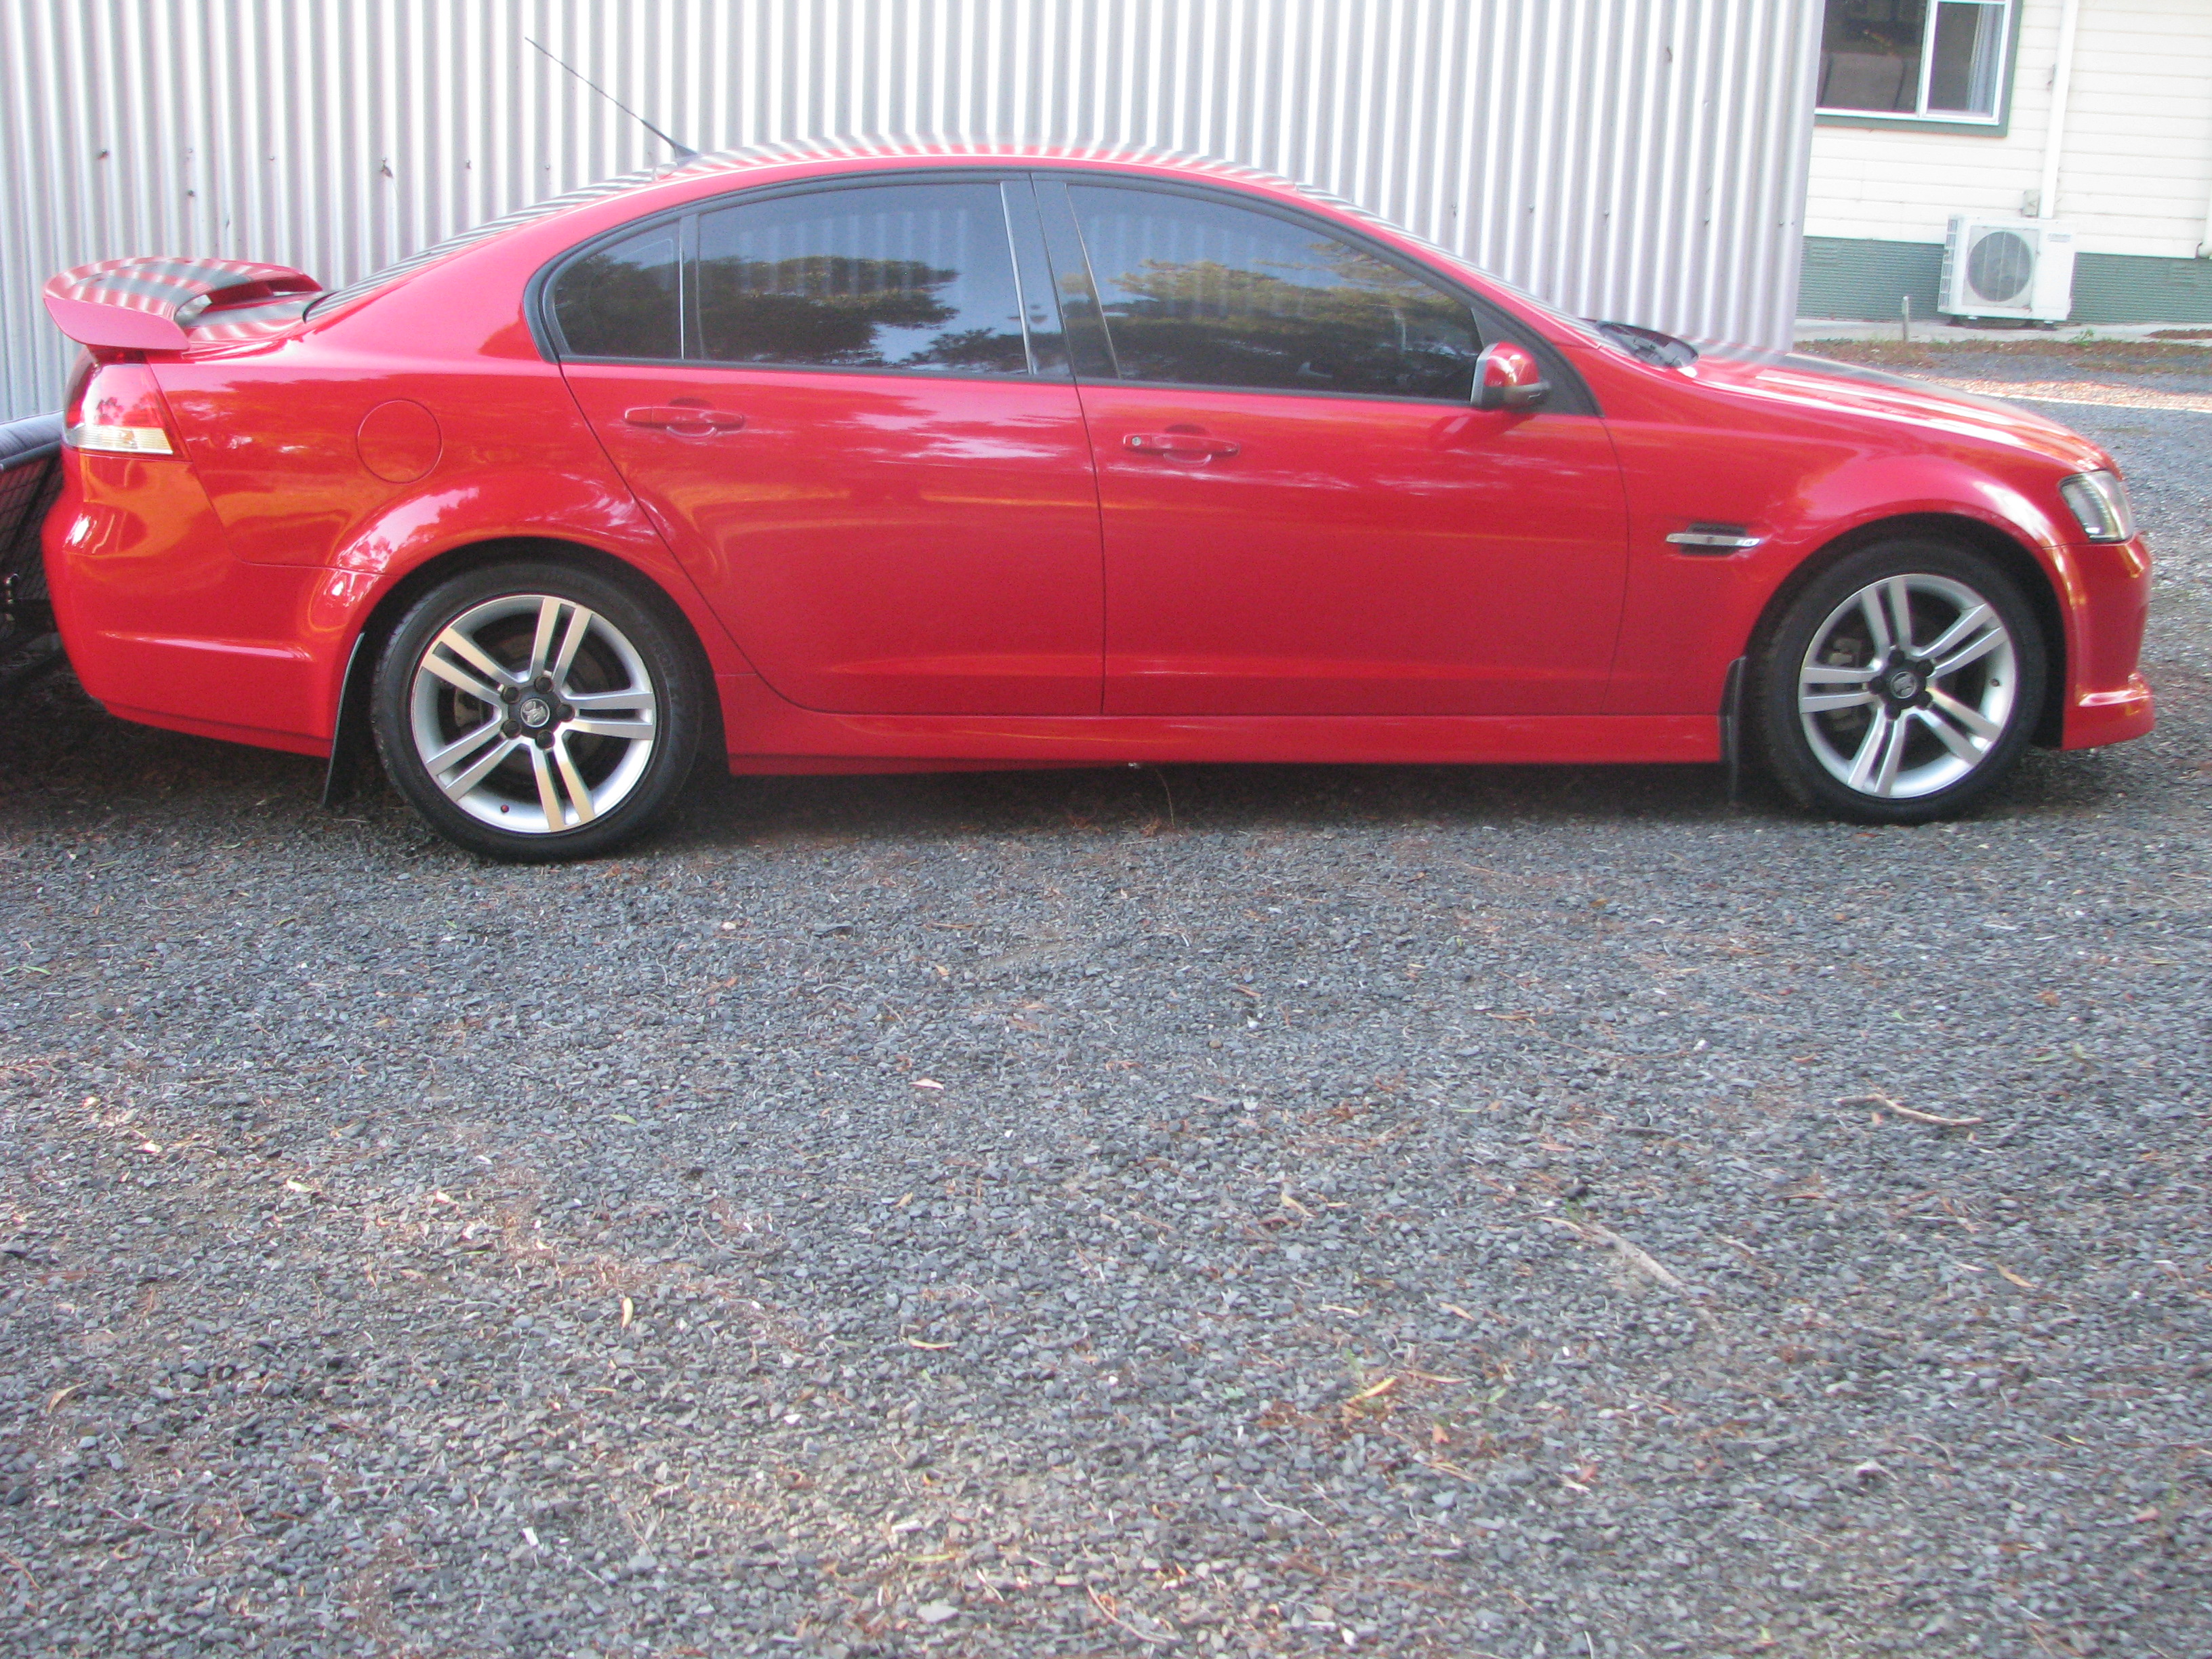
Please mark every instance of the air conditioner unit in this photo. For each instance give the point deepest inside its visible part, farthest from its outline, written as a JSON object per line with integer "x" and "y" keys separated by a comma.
{"x": 2021, "y": 268}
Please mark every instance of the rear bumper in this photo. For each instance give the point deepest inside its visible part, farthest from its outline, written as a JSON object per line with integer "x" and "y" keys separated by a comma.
{"x": 163, "y": 626}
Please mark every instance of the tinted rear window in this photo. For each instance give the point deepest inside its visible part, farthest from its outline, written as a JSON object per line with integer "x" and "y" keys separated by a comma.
{"x": 622, "y": 300}
{"x": 903, "y": 277}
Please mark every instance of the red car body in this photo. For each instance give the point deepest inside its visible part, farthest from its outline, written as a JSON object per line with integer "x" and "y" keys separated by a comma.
{"x": 891, "y": 571}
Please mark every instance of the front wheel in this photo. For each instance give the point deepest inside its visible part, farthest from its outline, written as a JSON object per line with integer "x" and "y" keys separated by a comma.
{"x": 536, "y": 712}
{"x": 1902, "y": 684}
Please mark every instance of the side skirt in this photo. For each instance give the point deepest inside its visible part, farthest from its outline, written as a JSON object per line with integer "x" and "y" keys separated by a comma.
{"x": 769, "y": 735}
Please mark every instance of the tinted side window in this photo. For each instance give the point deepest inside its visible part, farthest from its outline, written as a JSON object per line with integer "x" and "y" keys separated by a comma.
{"x": 908, "y": 276}
{"x": 1204, "y": 293}
{"x": 622, "y": 300}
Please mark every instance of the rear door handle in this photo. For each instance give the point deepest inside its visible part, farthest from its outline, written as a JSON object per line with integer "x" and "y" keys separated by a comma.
{"x": 1179, "y": 445}
{"x": 684, "y": 422}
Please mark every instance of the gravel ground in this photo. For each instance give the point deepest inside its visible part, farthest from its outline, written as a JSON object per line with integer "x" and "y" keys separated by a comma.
{"x": 1503, "y": 1211}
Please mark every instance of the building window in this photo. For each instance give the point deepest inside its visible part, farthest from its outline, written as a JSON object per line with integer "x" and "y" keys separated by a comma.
{"x": 1916, "y": 60}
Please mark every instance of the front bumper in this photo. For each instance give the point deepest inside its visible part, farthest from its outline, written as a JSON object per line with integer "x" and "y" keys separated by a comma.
{"x": 2107, "y": 595}
{"x": 2093, "y": 718}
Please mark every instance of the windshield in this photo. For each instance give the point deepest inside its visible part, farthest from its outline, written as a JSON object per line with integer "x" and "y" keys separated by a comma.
{"x": 1649, "y": 345}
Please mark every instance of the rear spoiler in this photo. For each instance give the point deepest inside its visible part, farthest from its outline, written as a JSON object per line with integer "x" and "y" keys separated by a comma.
{"x": 146, "y": 304}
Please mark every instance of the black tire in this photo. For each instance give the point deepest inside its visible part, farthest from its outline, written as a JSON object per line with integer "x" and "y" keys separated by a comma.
{"x": 1828, "y": 724}
{"x": 614, "y": 760}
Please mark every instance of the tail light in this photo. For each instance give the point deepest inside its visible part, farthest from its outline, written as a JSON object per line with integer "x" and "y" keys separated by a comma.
{"x": 117, "y": 411}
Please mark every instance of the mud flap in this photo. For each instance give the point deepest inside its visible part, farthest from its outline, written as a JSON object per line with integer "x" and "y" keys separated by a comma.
{"x": 349, "y": 741}
{"x": 1732, "y": 729}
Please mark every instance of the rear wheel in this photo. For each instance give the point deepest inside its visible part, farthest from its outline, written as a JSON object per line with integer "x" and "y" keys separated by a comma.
{"x": 1902, "y": 683}
{"x": 532, "y": 711}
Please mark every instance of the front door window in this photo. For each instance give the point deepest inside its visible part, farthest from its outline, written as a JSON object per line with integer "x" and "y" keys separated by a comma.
{"x": 1202, "y": 293}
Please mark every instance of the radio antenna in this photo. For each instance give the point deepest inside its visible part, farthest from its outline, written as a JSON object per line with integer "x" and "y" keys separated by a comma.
{"x": 683, "y": 152}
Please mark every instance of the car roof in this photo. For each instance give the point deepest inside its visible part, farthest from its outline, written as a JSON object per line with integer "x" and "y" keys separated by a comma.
{"x": 983, "y": 152}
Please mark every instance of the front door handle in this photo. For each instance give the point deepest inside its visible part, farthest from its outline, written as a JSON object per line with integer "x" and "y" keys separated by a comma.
{"x": 684, "y": 422}
{"x": 1179, "y": 445}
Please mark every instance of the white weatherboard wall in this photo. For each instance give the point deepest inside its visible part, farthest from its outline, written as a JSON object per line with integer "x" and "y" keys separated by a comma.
{"x": 2134, "y": 167}
{"x": 1643, "y": 159}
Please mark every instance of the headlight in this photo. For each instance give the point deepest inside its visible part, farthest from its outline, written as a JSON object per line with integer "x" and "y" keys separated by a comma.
{"x": 2099, "y": 502}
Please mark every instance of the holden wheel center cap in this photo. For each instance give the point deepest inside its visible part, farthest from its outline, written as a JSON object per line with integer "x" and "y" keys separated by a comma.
{"x": 533, "y": 712}
{"x": 1902, "y": 685}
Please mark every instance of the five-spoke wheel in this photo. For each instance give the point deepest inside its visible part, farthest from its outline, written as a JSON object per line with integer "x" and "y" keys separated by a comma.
{"x": 536, "y": 711}
{"x": 1901, "y": 684}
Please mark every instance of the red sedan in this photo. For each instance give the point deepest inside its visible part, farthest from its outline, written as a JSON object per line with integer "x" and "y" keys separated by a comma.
{"x": 942, "y": 457}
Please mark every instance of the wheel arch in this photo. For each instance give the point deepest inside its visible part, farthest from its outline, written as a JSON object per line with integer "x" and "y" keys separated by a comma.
{"x": 349, "y": 743}
{"x": 2007, "y": 552}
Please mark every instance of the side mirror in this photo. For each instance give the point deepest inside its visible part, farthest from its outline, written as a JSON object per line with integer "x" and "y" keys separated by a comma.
{"x": 1507, "y": 377}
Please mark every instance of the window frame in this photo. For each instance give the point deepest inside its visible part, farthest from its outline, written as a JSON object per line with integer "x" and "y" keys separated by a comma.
{"x": 1032, "y": 239}
{"x": 1995, "y": 125}
{"x": 1571, "y": 394}
{"x": 1046, "y": 358}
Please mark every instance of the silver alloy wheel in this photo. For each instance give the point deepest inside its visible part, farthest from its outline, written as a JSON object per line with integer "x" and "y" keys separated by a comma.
{"x": 533, "y": 713}
{"x": 1907, "y": 686}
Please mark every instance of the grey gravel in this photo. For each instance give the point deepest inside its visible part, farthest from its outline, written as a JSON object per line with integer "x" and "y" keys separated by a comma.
{"x": 1252, "y": 1211}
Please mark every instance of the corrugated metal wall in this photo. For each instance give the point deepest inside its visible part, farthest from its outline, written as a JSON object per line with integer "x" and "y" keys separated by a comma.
{"x": 1637, "y": 158}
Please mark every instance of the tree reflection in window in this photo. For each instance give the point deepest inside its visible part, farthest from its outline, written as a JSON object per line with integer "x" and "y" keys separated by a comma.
{"x": 620, "y": 302}
{"x": 902, "y": 277}
{"x": 1202, "y": 293}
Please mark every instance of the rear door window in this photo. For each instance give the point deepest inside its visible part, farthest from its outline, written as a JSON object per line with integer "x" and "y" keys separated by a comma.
{"x": 916, "y": 276}
{"x": 1201, "y": 292}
